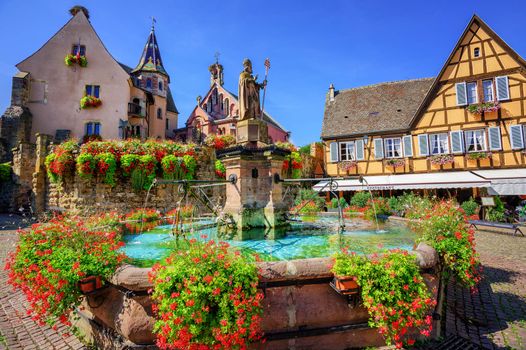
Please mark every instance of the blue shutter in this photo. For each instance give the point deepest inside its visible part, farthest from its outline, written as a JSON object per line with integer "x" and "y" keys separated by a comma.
{"x": 97, "y": 129}
{"x": 378, "y": 148}
{"x": 88, "y": 90}
{"x": 495, "y": 143}
{"x": 503, "y": 89}
{"x": 334, "y": 152}
{"x": 516, "y": 137}
{"x": 96, "y": 89}
{"x": 423, "y": 146}
{"x": 359, "y": 150}
{"x": 462, "y": 98}
{"x": 89, "y": 128}
{"x": 408, "y": 146}
{"x": 457, "y": 146}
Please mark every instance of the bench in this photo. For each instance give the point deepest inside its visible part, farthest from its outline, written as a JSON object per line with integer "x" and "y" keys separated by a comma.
{"x": 503, "y": 225}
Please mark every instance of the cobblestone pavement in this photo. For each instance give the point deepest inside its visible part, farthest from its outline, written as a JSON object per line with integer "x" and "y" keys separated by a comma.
{"x": 495, "y": 316}
{"x": 17, "y": 329}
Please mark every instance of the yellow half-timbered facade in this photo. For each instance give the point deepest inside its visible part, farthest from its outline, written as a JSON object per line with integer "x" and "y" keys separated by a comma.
{"x": 470, "y": 117}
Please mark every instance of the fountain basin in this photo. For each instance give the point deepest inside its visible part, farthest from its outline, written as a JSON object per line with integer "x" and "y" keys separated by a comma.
{"x": 301, "y": 310}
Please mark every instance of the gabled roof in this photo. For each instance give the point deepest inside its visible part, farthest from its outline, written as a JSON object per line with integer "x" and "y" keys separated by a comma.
{"x": 151, "y": 57}
{"x": 374, "y": 108}
{"x": 474, "y": 20}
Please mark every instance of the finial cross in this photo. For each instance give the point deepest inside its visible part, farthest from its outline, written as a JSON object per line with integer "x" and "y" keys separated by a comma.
{"x": 153, "y": 22}
{"x": 216, "y": 55}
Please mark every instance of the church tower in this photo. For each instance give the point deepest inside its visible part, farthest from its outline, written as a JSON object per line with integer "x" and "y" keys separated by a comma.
{"x": 150, "y": 72}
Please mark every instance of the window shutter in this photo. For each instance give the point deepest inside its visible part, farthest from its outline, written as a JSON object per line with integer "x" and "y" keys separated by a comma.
{"x": 517, "y": 137}
{"x": 462, "y": 98}
{"x": 503, "y": 90}
{"x": 359, "y": 150}
{"x": 495, "y": 143}
{"x": 378, "y": 148}
{"x": 423, "y": 146}
{"x": 408, "y": 146}
{"x": 457, "y": 146}
{"x": 334, "y": 152}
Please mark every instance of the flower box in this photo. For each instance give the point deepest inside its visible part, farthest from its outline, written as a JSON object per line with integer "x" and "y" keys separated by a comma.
{"x": 90, "y": 284}
{"x": 395, "y": 163}
{"x": 90, "y": 102}
{"x": 479, "y": 155}
{"x": 347, "y": 165}
{"x": 442, "y": 159}
{"x": 70, "y": 60}
{"x": 479, "y": 108}
{"x": 345, "y": 285}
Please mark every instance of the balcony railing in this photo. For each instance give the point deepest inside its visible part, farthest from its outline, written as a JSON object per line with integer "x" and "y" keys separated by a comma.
{"x": 135, "y": 109}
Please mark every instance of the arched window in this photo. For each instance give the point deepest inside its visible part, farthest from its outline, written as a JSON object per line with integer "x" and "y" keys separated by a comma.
{"x": 227, "y": 106}
{"x": 214, "y": 96}
{"x": 149, "y": 83}
{"x": 160, "y": 86}
{"x": 159, "y": 113}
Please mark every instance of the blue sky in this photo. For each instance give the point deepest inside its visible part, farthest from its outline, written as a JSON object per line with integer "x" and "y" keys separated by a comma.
{"x": 310, "y": 43}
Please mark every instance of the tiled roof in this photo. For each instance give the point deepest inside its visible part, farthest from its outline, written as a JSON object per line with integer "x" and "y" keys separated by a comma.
{"x": 374, "y": 108}
{"x": 151, "y": 57}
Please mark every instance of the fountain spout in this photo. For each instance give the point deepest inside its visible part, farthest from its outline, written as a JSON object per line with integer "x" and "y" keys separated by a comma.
{"x": 362, "y": 180}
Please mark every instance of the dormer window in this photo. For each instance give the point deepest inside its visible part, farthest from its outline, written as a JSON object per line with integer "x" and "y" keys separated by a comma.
{"x": 476, "y": 52}
{"x": 78, "y": 49}
{"x": 160, "y": 86}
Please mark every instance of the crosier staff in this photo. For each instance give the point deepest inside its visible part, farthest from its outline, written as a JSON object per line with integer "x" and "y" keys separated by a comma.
{"x": 267, "y": 67}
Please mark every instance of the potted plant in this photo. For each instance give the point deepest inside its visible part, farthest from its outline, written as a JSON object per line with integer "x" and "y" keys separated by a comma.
{"x": 442, "y": 159}
{"x": 89, "y": 101}
{"x": 70, "y": 60}
{"x": 395, "y": 162}
{"x": 90, "y": 284}
{"x": 479, "y": 108}
{"x": 347, "y": 165}
{"x": 479, "y": 155}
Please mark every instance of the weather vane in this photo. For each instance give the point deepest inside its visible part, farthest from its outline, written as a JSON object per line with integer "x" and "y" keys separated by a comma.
{"x": 153, "y": 22}
{"x": 216, "y": 55}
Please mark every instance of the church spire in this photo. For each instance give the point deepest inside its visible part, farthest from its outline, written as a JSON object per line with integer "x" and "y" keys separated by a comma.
{"x": 151, "y": 56}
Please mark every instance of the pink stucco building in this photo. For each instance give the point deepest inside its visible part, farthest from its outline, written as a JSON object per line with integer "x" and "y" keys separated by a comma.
{"x": 218, "y": 112}
{"x": 133, "y": 102}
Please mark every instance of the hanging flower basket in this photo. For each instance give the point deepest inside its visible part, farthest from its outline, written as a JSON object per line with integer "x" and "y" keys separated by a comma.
{"x": 220, "y": 169}
{"x": 347, "y": 165}
{"x": 70, "y": 60}
{"x": 90, "y": 284}
{"x": 479, "y": 155}
{"x": 442, "y": 159}
{"x": 479, "y": 108}
{"x": 90, "y": 102}
{"x": 395, "y": 163}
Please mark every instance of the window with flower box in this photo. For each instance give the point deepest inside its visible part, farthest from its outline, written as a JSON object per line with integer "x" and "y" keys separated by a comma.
{"x": 487, "y": 89}
{"x": 439, "y": 143}
{"x": 393, "y": 147}
{"x": 93, "y": 90}
{"x": 347, "y": 151}
{"x": 78, "y": 49}
{"x": 475, "y": 140}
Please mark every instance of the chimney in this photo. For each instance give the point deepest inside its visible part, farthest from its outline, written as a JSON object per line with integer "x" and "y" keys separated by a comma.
{"x": 331, "y": 92}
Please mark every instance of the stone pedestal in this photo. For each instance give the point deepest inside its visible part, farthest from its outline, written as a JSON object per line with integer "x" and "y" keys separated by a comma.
{"x": 252, "y": 133}
{"x": 255, "y": 200}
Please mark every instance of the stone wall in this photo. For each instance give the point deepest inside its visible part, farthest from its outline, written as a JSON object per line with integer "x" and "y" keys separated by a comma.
{"x": 78, "y": 195}
{"x": 15, "y": 127}
{"x": 300, "y": 309}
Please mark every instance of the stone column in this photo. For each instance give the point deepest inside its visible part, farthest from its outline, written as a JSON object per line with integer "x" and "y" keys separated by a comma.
{"x": 39, "y": 176}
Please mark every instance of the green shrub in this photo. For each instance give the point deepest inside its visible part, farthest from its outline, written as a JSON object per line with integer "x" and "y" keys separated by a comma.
{"x": 334, "y": 203}
{"x": 360, "y": 199}
{"x": 305, "y": 149}
{"x": 306, "y": 194}
{"x": 343, "y": 203}
{"x": 498, "y": 212}
{"x": 5, "y": 172}
{"x": 381, "y": 207}
{"x": 470, "y": 207}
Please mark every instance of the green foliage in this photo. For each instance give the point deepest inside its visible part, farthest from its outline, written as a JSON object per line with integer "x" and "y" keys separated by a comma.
{"x": 305, "y": 194}
{"x": 392, "y": 290}
{"x": 381, "y": 208}
{"x": 191, "y": 164}
{"x": 445, "y": 228}
{"x": 498, "y": 212}
{"x": 5, "y": 172}
{"x": 206, "y": 296}
{"x": 86, "y": 166}
{"x": 470, "y": 207}
{"x": 106, "y": 167}
{"x": 142, "y": 220}
{"x": 306, "y": 207}
{"x": 61, "y": 161}
{"x": 220, "y": 169}
{"x": 52, "y": 258}
{"x": 360, "y": 199}
{"x": 129, "y": 162}
{"x": 411, "y": 205}
{"x": 342, "y": 201}
{"x": 305, "y": 149}
{"x": 173, "y": 168}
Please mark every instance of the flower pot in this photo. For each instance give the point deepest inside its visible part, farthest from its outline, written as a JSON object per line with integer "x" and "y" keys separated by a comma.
{"x": 345, "y": 285}
{"x": 90, "y": 284}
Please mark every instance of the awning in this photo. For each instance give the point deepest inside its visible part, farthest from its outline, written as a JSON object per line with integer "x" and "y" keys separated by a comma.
{"x": 454, "y": 179}
{"x": 505, "y": 182}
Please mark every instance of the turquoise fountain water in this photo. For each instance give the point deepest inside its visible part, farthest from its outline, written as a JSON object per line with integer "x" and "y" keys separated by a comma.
{"x": 310, "y": 238}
